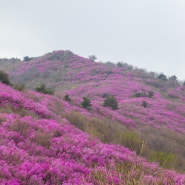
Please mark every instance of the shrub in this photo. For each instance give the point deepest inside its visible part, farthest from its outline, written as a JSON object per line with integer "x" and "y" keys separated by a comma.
{"x": 4, "y": 78}
{"x": 150, "y": 94}
{"x": 27, "y": 58}
{"x": 108, "y": 131}
{"x": 110, "y": 101}
{"x": 76, "y": 119}
{"x": 105, "y": 95}
{"x": 168, "y": 142}
{"x": 125, "y": 65}
{"x": 67, "y": 98}
{"x": 120, "y": 64}
{"x": 144, "y": 104}
{"x": 86, "y": 103}
{"x": 61, "y": 56}
{"x": 173, "y": 78}
{"x": 42, "y": 139}
{"x": 131, "y": 140}
{"x": 108, "y": 63}
{"x": 92, "y": 58}
{"x": 42, "y": 88}
{"x": 166, "y": 160}
{"x": 137, "y": 95}
{"x": 140, "y": 94}
{"x": 162, "y": 77}
{"x": 156, "y": 83}
{"x": 19, "y": 87}
{"x": 2, "y": 120}
{"x": 67, "y": 53}
{"x": 20, "y": 127}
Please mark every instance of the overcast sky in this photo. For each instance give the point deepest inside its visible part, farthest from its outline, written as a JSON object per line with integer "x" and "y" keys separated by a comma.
{"x": 145, "y": 33}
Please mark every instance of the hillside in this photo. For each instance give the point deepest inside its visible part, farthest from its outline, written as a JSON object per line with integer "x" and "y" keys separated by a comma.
{"x": 44, "y": 129}
{"x": 76, "y": 76}
{"x": 39, "y": 146}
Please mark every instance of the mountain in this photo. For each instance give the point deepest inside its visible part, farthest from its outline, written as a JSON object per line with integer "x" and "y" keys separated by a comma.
{"x": 76, "y": 76}
{"x": 39, "y": 146}
{"x": 48, "y": 139}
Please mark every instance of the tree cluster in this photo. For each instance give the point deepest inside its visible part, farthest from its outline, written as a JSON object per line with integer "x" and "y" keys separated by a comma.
{"x": 27, "y": 58}
{"x": 42, "y": 88}
{"x": 86, "y": 103}
{"x": 4, "y": 78}
{"x": 149, "y": 94}
{"x": 111, "y": 101}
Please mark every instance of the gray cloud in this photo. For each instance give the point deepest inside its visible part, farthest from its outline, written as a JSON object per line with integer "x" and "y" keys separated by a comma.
{"x": 144, "y": 33}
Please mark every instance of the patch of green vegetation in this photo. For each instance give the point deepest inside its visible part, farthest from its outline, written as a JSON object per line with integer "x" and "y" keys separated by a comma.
{"x": 19, "y": 110}
{"x": 166, "y": 160}
{"x": 43, "y": 89}
{"x": 111, "y": 101}
{"x": 19, "y": 87}
{"x": 107, "y": 130}
{"x": 155, "y": 145}
{"x": 86, "y": 103}
{"x": 166, "y": 147}
{"x": 4, "y": 78}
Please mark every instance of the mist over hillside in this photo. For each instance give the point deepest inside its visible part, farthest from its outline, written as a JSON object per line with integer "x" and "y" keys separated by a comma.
{"x": 77, "y": 121}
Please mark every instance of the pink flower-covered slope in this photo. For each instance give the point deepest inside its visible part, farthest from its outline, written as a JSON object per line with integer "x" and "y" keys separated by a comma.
{"x": 38, "y": 147}
{"x": 70, "y": 74}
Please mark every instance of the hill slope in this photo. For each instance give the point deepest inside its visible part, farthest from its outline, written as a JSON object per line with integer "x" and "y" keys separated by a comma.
{"x": 151, "y": 108}
{"x": 39, "y": 146}
{"x": 70, "y": 74}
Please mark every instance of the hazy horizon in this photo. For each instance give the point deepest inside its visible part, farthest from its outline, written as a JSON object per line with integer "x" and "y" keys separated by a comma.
{"x": 146, "y": 34}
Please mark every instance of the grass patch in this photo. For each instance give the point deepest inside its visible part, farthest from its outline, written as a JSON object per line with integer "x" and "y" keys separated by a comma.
{"x": 162, "y": 146}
